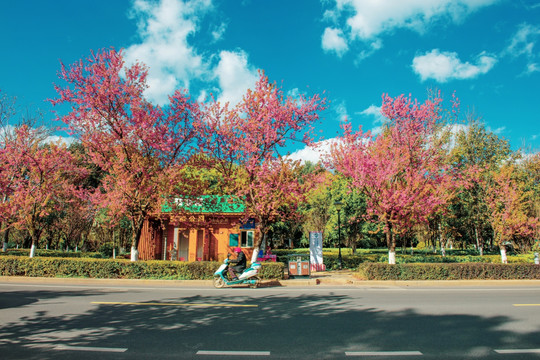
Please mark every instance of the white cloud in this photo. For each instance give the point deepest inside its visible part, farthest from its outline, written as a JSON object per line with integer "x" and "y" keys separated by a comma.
{"x": 372, "y": 47}
{"x": 367, "y": 20}
{"x": 375, "y": 112}
{"x": 455, "y": 130}
{"x": 532, "y": 67}
{"x": 67, "y": 140}
{"x": 163, "y": 29}
{"x": 523, "y": 44}
{"x": 235, "y": 76}
{"x": 497, "y": 131}
{"x": 313, "y": 153}
{"x": 341, "y": 111}
{"x": 333, "y": 41}
{"x": 219, "y": 31}
{"x": 42, "y": 134}
{"x": 294, "y": 93}
{"x": 173, "y": 62}
{"x": 445, "y": 66}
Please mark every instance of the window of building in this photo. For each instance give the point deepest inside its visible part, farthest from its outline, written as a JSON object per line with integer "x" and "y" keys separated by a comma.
{"x": 246, "y": 239}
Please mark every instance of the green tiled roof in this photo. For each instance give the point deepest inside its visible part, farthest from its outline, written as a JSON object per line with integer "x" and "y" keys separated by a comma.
{"x": 207, "y": 204}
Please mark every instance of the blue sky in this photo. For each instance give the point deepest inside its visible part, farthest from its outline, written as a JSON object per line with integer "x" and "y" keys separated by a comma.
{"x": 487, "y": 51}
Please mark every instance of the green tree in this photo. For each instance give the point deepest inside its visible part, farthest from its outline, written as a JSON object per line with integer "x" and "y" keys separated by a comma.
{"x": 510, "y": 205}
{"x": 476, "y": 153}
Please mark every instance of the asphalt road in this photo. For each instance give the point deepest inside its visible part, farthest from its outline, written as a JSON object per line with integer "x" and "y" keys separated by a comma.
{"x": 70, "y": 321}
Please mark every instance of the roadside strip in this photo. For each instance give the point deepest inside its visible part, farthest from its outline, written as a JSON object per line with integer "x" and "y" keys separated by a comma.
{"x": 526, "y": 304}
{"x": 383, "y": 353}
{"x": 518, "y": 351}
{"x": 233, "y": 353}
{"x": 88, "y": 348}
{"x": 168, "y": 304}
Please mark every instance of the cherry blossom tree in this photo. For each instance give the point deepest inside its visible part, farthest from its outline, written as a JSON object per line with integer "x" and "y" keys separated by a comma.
{"x": 7, "y": 110}
{"x": 39, "y": 180}
{"x": 402, "y": 171}
{"x": 12, "y": 120}
{"x": 139, "y": 146}
{"x": 245, "y": 141}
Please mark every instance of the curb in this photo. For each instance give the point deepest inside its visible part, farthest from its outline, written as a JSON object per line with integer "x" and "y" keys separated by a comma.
{"x": 106, "y": 282}
{"x": 313, "y": 281}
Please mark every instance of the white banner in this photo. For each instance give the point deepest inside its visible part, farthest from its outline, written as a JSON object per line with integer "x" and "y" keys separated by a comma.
{"x": 315, "y": 251}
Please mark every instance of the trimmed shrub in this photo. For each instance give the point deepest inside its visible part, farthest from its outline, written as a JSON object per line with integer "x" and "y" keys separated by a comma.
{"x": 448, "y": 271}
{"x": 120, "y": 269}
{"x": 53, "y": 253}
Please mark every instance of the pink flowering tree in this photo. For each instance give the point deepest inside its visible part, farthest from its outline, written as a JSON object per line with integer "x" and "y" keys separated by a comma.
{"x": 275, "y": 193}
{"x": 245, "y": 141}
{"x": 402, "y": 171}
{"x": 138, "y": 145}
{"x": 510, "y": 205}
{"x": 42, "y": 181}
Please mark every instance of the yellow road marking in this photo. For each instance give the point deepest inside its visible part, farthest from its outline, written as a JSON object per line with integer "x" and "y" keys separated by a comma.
{"x": 169, "y": 304}
{"x": 526, "y": 304}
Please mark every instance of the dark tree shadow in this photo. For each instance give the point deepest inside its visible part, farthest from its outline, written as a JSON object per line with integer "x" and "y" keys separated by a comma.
{"x": 13, "y": 299}
{"x": 306, "y": 327}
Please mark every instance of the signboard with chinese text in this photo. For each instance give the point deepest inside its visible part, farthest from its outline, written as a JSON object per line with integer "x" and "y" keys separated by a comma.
{"x": 315, "y": 251}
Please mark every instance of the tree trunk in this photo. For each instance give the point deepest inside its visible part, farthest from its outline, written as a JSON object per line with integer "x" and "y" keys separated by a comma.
{"x": 504, "y": 259}
{"x": 35, "y": 235}
{"x": 442, "y": 242}
{"x": 6, "y": 240}
{"x": 478, "y": 244}
{"x": 32, "y": 250}
{"x": 392, "y": 257}
{"x": 134, "y": 254}
{"x": 257, "y": 247}
{"x": 136, "y": 226}
{"x": 391, "y": 243}
{"x": 443, "y": 246}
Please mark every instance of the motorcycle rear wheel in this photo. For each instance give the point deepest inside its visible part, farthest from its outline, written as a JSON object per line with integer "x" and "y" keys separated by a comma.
{"x": 219, "y": 282}
{"x": 257, "y": 282}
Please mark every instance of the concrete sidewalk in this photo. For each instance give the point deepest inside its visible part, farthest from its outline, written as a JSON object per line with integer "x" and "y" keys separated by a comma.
{"x": 327, "y": 278}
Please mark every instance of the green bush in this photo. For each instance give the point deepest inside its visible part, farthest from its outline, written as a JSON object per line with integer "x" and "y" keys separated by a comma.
{"x": 350, "y": 261}
{"x": 53, "y": 253}
{"x": 120, "y": 269}
{"x": 106, "y": 250}
{"x": 448, "y": 271}
{"x": 272, "y": 270}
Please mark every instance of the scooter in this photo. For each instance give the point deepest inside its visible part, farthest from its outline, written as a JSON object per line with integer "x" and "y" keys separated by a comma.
{"x": 249, "y": 276}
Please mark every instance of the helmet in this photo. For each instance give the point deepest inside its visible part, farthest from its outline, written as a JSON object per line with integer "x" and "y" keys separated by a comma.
{"x": 237, "y": 250}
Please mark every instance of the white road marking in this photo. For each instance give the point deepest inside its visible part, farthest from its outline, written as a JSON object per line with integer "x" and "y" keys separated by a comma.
{"x": 382, "y": 353}
{"x": 88, "y": 348}
{"x": 518, "y": 351}
{"x": 233, "y": 353}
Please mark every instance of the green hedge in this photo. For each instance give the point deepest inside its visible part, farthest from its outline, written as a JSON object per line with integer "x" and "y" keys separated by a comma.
{"x": 120, "y": 269}
{"x": 448, "y": 271}
{"x": 330, "y": 257}
{"x": 53, "y": 253}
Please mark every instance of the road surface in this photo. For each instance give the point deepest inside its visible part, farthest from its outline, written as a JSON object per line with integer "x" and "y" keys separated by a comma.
{"x": 85, "y": 321}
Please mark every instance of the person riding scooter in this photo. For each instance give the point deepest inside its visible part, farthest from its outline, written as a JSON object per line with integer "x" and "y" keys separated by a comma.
{"x": 240, "y": 262}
